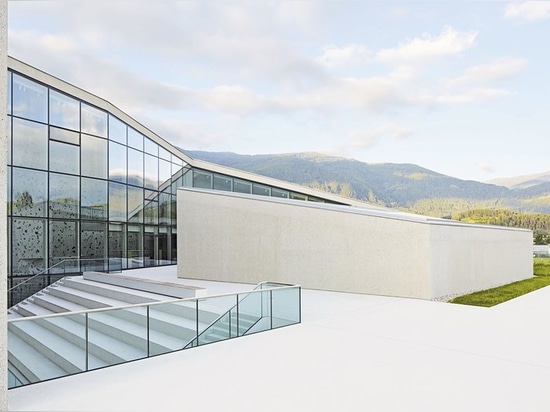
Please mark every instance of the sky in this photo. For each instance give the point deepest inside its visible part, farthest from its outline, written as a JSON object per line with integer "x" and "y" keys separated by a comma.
{"x": 458, "y": 87}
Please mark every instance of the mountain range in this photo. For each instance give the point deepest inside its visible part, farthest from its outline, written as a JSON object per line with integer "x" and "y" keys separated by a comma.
{"x": 407, "y": 187}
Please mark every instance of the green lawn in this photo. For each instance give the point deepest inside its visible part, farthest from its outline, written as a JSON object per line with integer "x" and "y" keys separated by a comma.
{"x": 491, "y": 297}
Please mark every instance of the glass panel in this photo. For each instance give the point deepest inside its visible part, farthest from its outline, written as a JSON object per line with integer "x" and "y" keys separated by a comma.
{"x": 165, "y": 204}
{"x": 151, "y": 212}
{"x": 64, "y": 158}
{"x": 117, "y": 162}
{"x": 151, "y": 147}
{"x": 94, "y": 157}
{"x": 135, "y": 246}
{"x": 117, "y": 335}
{"x": 63, "y": 241}
{"x": 30, "y": 192}
{"x": 30, "y": 144}
{"x": 135, "y": 204}
{"x": 177, "y": 160}
{"x": 151, "y": 172}
{"x": 29, "y": 241}
{"x": 117, "y": 130}
{"x": 30, "y": 99}
{"x": 65, "y": 136}
{"x": 164, "y": 154}
{"x": 135, "y": 139}
{"x": 262, "y": 190}
{"x": 117, "y": 241}
{"x": 202, "y": 180}
{"x": 279, "y": 193}
{"x": 72, "y": 352}
{"x": 135, "y": 168}
{"x": 94, "y": 199}
{"x": 93, "y": 240}
{"x": 64, "y": 196}
{"x": 117, "y": 202}
{"x": 149, "y": 248}
{"x": 162, "y": 247}
{"x": 222, "y": 183}
{"x": 9, "y": 126}
{"x": 164, "y": 174}
{"x": 94, "y": 121}
{"x": 174, "y": 323}
{"x": 285, "y": 306}
{"x": 9, "y": 92}
{"x": 174, "y": 210}
{"x": 242, "y": 186}
{"x": 64, "y": 111}
{"x": 250, "y": 312}
{"x": 297, "y": 196}
{"x": 214, "y": 311}
{"x": 174, "y": 246}
{"x": 9, "y": 191}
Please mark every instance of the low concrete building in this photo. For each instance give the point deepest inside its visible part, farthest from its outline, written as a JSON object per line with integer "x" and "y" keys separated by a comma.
{"x": 243, "y": 238}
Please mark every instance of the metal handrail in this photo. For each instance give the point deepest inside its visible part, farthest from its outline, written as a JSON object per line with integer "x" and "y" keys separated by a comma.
{"x": 138, "y": 305}
{"x": 45, "y": 271}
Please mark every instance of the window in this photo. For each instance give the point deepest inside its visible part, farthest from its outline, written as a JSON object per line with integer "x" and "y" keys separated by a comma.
{"x": 117, "y": 130}
{"x": 64, "y": 196}
{"x": 279, "y": 193}
{"x": 242, "y": 186}
{"x": 117, "y": 162}
{"x": 93, "y": 199}
{"x": 30, "y": 144}
{"x": 135, "y": 167}
{"x": 30, "y": 99}
{"x": 117, "y": 202}
{"x": 151, "y": 172}
{"x": 64, "y": 111}
{"x": 64, "y": 158}
{"x": 222, "y": 183}
{"x": 30, "y": 192}
{"x": 135, "y": 139}
{"x": 262, "y": 190}
{"x": 202, "y": 180}
{"x": 94, "y": 156}
{"x": 94, "y": 121}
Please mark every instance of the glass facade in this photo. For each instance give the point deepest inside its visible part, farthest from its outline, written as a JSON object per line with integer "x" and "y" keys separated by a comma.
{"x": 82, "y": 183}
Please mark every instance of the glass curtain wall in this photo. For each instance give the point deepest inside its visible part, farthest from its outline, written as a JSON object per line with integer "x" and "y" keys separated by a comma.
{"x": 84, "y": 184}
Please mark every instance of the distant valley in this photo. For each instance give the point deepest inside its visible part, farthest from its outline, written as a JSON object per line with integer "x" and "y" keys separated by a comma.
{"x": 403, "y": 186}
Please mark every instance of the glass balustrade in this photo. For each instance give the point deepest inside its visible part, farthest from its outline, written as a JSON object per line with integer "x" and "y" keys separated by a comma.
{"x": 49, "y": 347}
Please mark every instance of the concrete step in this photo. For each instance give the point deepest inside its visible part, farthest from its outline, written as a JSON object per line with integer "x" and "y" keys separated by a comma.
{"x": 82, "y": 298}
{"x": 28, "y": 364}
{"x": 130, "y": 296}
{"x": 56, "y": 304}
{"x": 29, "y": 308}
{"x": 106, "y": 348}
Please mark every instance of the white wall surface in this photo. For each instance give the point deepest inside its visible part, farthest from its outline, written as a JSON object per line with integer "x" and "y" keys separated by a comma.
{"x": 241, "y": 238}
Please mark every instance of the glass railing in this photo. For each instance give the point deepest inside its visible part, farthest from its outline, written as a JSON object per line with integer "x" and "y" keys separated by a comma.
{"x": 53, "y": 346}
{"x": 24, "y": 286}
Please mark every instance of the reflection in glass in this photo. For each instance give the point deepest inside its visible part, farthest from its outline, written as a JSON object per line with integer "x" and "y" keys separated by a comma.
{"x": 202, "y": 180}
{"x": 164, "y": 154}
{"x": 135, "y": 167}
{"x": 94, "y": 199}
{"x": 222, "y": 183}
{"x": 64, "y": 111}
{"x": 164, "y": 174}
{"x": 262, "y": 190}
{"x": 117, "y": 202}
{"x": 117, "y": 240}
{"x": 151, "y": 172}
{"x": 279, "y": 193}
{"x": 65, "y": 136}
{"x": 135, "y": 246}
{"x": 30, "y": 192}
{"x": 242, "y": 186}
{"x": 117, "y": 130}
{"x": 285, "y": 305}
{"x": 151, "y": 147}
{"x": 64, "y": 158}
{"x": 135, "y": 204}
{"x": 63, "y": 240}
{"x": 93, "y": 240}
{"x": 165, "y": 204}
{"x": 297, "y": 196}
{"x": 94, "y": 156}
{"x": 135, "y": 139}
{"x": 151, "y": 212}
{"x": 149, "y": 249}
{"x": 117, "y": 162}
{"x": 30, "y": 99}
{"x": 28, "y": 260}
{"x": 30, "y": 144}
{"x": 64, "y": 195}
{"x": 94, "y": 121}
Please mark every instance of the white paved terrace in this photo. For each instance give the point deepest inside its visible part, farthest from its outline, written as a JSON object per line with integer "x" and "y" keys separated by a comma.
{"x": 351, "y": 353}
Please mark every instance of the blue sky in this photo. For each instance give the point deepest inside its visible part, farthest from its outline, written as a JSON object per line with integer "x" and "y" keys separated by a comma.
{"x": 459, "y": 87}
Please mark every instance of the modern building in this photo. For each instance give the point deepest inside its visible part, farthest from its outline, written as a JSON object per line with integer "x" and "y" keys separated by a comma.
{"x": 88, "y": 182}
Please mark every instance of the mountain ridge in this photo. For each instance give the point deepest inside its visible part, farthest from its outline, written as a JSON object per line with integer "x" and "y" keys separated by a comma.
{"x": 404, "y": 186}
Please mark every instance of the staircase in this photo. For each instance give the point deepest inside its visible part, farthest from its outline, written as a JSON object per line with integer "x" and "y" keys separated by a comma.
{"x": 76, "y": 325}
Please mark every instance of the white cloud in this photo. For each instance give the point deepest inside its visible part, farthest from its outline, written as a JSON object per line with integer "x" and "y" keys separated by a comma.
{"x": 529, "y": 10}
{"x": 365, "y": 139}
{"x": 485, "y": 167}
{"x": 349, "y": 55}
{"x": 485, "y": 73}
{"x": 428, "y": 48}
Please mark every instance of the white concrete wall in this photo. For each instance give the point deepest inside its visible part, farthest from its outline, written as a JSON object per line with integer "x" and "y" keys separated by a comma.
{"x": 3, "y": 199}
{"x": 252, "y": 239}
{"x": 241, "y": 238}
{"x": 475, "y": 257}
